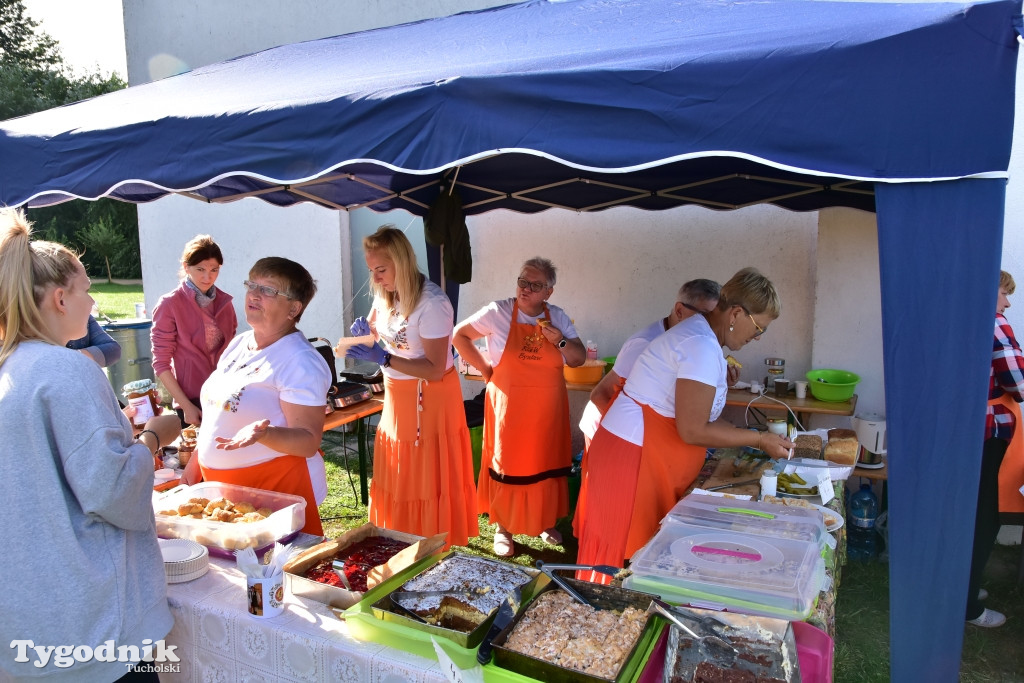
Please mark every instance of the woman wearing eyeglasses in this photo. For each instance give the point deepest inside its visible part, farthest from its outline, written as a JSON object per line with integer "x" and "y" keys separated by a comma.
{"x": 526, "y": 453}
{"x": 422, "y": 459}
{"x": 264, "y": 403}
{"x": 191, "y": 328}
{"x": 651, "y": 444}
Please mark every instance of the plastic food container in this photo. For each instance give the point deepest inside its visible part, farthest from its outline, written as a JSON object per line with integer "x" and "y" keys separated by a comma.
{"x": 752, "y": 517}
{"x": 773, "y": 576}
{"x": 288, "y": 515}
{"x": 589, "y": 373}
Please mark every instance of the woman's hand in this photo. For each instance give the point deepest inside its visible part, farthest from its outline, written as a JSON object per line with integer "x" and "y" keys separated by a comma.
{"x": 373, "y": 353}
{"x": 732, "y": 375}
{"x": 551, "y": 333}
{"x": 774, "y": 445}
{"x": 360, "y": 327}
{"x": 246, "y": 436}
{"x": 192, "y": 414}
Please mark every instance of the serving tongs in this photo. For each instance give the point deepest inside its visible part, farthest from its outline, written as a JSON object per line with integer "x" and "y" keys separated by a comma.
{"x": 719, "y": 647}
{"x": 550, "y": 569}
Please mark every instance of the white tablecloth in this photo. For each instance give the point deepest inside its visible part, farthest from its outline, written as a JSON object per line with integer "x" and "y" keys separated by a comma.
{"x": 220, "y": 642}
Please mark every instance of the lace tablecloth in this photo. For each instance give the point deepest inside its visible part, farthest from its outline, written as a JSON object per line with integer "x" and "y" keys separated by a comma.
{"x": 219, "y": 641}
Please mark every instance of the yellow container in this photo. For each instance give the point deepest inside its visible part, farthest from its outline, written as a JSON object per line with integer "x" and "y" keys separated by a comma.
{"x": 589, "y": 373}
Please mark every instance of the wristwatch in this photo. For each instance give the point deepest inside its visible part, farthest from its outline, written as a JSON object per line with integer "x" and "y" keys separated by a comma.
{"x": 562, "y": 342}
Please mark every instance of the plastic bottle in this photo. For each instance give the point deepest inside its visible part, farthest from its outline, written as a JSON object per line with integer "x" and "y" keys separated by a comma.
{"x": 861, "y": 543}
{"x": 591, "y": 350}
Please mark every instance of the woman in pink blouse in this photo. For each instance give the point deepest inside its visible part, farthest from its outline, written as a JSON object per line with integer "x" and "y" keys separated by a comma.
{"x": 191, "y": 328}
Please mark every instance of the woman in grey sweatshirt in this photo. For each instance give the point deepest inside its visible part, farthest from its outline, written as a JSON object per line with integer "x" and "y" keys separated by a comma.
{"x": 82, "y": 572}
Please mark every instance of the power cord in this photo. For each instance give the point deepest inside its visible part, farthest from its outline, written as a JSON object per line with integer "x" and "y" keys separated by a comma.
{"x": 746, "y": 413}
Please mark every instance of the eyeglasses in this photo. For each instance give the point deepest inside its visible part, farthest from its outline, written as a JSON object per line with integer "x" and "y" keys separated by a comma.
{"x": 694, "y": 308}
{"x": 265, "y": 290}
{"x": 532, "y": 286}
{"x": 759, "y": 330}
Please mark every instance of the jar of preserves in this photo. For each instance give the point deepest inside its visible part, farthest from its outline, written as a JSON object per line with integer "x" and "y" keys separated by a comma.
{"x": 143, "y": 396}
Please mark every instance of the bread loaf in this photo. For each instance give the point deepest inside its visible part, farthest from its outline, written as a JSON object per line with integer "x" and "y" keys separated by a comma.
{"x": 807, "y": 446}
{"x": 842, "y": 446}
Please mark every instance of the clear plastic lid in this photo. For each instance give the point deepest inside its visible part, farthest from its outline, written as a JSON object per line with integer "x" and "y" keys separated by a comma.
{"x": 752, "y": 517}
{"x": 780, "y": 575}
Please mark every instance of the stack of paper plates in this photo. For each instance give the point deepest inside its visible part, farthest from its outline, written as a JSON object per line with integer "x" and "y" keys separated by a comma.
{"x": 183, "y": 560}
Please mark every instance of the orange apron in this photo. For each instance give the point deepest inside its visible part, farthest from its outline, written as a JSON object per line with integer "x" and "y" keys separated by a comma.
{"x": 637, "y": 486}
{"x": 423, "y": 462}
{"x": 1011, "y": 472}
{"x": 581, "y": 500}
{"x": 526, "y": 455}
{"x": 284, "y": 474}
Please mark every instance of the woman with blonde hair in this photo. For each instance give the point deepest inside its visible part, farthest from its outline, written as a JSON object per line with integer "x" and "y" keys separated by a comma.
{"x": 651, "y": 444}
{"x": 422, "y": 463}
{"x": 76, "y": 484}
{"x": 191, "y": 327}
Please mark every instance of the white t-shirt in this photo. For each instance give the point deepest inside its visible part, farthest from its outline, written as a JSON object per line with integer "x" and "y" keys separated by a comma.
{"x": 493, "y": 321}
{"x": 630, "y": 351}
{"x": 250, "y": 384}
{"x": 403, "y": 336}
{"x": 689, "y": 350}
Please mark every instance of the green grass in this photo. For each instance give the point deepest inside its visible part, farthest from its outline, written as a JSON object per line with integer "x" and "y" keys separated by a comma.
{"x": 115, "y": 301}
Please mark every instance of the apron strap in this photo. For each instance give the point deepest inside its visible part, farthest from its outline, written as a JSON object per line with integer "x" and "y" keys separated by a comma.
{"x": 531, "y": 478}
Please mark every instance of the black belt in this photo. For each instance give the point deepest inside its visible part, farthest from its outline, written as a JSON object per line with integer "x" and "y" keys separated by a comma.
{"x": 530, "y": 478}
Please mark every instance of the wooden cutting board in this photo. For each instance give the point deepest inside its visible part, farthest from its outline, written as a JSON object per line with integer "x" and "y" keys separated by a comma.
{"x": 731, "y": 469}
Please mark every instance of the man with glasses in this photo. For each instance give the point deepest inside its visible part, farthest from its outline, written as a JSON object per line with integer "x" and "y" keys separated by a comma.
{"x": 696, "y": 296}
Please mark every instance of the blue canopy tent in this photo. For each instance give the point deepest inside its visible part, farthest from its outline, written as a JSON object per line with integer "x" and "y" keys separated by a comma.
{"x": 902, "y": 109}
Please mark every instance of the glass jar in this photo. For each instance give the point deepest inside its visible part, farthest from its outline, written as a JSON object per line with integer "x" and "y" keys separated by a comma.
{"x": 776, "y": 369}
{"x": 143, "y": 396}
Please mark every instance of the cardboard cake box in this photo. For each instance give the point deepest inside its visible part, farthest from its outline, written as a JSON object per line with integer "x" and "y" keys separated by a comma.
{"x": 336, "y": 596}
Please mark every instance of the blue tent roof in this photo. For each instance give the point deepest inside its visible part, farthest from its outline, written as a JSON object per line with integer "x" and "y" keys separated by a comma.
{"x": 662, "y": 89}
{"x": 905, "y": 109}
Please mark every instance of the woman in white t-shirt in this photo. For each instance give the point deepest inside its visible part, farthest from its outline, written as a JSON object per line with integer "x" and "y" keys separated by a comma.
{"x": 422, "y": 459}
{"x": 651, "y": 444}
{"x": 526, "y": 446}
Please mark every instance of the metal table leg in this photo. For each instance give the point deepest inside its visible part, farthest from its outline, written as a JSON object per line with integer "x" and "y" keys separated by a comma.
{"x": 361, "y": 430}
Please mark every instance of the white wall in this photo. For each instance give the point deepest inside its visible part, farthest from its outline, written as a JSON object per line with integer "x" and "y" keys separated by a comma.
{"x": 246, "y": 231}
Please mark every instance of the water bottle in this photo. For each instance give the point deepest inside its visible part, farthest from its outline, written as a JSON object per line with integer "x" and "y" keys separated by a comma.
{"x": 861, "y": 544}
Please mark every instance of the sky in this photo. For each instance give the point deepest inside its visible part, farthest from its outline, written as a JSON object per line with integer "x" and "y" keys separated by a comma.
{"x": 90, "y": 32}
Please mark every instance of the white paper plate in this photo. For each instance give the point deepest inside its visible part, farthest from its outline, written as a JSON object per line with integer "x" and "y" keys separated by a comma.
{"x": 831, "y": 513}
{"x": 184, "y": 560}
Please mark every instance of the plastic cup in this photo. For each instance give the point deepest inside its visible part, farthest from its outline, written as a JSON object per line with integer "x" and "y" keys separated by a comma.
{"x": 265, "y": 596}
{"x": 781, "y": 387}
{"x": 801, "y": 389}
{"x": 140, "y": 310}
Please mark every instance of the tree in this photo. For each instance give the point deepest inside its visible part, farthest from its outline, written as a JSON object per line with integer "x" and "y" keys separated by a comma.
{"x": 34, "y": 77}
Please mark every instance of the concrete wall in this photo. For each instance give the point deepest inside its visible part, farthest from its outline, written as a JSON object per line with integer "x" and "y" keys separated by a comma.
{"x": 619, "y": 268}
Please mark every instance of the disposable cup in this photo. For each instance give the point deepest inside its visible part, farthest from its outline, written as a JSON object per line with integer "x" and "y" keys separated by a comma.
{"x": 140, "y": 310}
{"x": 265, "y": 596}
{"x": 801, "y": 389}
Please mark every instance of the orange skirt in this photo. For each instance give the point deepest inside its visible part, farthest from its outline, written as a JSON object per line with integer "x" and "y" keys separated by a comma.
{"x": 286, "y": 474}
{"x": 610, "y": 477}
{"x": 1011, "y": 472}
{"x": 425, "y": 488}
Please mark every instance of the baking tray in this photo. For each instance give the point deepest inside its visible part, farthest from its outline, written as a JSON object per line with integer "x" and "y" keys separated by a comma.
{"x": 386, "y": 610}
{"x": 767, "y": 646}
{"x": 601, "y": 597}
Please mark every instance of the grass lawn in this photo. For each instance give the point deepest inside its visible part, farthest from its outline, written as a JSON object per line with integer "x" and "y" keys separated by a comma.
{"x": 115, "y": 301}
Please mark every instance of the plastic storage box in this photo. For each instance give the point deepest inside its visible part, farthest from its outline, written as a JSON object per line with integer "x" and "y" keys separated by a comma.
{"x": 752, "y": 517}
{"x": 773, "y": 576}
{"x": 288, "y": 515}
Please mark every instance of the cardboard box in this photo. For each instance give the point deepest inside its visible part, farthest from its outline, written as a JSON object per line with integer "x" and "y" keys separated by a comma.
{"x": 297, "y": 584}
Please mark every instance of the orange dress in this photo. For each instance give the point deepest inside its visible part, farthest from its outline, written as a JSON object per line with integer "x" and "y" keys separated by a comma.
{"x": 423, "y": 462}
{"x": 636, "y": 486}
{"x": 1011, "y": 472}
{"x": 526, "y": 455}
{"x": 284, "y": 474}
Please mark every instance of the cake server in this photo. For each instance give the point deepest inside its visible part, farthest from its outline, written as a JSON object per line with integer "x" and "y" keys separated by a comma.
{"x": 506, "y": 614}
{"x": 720, "y": 648}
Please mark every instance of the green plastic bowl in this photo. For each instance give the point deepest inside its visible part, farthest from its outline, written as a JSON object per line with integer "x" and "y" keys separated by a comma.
{"x": 610, "y": 360}
{"x": 834, "y": 386}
